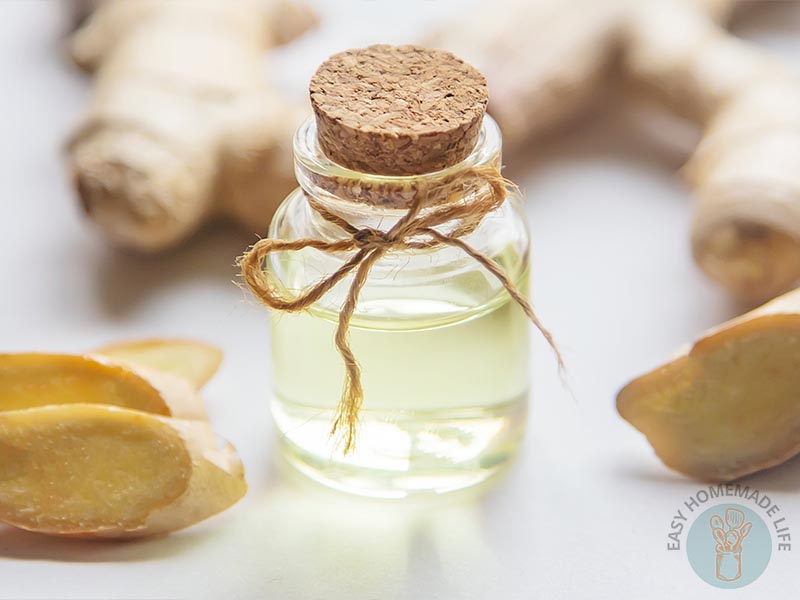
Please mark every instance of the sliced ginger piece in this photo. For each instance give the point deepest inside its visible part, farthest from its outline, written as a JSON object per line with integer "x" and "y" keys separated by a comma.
{"x": 729, "y": 405}
{"x": 103, "y": 471}
{"x": 34, "y": 379}
{"x": 86, "y": 468}
{"x": 189, "y": 359}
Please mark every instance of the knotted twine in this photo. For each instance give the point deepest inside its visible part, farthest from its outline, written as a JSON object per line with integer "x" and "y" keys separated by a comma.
{"x": 465, "y": 207}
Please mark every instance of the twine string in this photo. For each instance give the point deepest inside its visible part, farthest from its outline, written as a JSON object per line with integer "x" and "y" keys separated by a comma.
{"x": 415, "y": 230}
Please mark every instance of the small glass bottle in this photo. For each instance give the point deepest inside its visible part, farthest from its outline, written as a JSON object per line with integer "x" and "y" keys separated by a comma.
{"x": 443, "y": 348}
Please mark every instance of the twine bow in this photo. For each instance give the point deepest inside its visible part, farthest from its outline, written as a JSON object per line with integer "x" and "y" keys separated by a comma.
{"x": 414, "y": 230}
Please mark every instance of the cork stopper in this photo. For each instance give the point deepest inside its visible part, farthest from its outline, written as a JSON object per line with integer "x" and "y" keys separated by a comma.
{"x": 397, "y": 110}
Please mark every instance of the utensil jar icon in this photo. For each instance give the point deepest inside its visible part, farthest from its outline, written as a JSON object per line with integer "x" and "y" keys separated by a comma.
{"x": 729, "y": 535}
{"x": 729, "y": 564}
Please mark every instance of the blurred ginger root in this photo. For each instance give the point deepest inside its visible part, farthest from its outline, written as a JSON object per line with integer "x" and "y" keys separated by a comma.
{"x": 544, "y": 59}
{"x": 745, "y": 172}
{"x": 183, "y": 128}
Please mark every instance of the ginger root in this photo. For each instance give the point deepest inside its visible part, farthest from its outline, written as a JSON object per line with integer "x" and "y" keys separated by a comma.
{"x": 727, "y": 406}
{"x": 95, "y": 448}
{"x": 183, "y": 128}
{"x": 745, "y": 172}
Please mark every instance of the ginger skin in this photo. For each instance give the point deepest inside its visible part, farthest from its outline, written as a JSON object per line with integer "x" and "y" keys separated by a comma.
{"x": 183, "y": 128}
{"x": 745, "y": 173}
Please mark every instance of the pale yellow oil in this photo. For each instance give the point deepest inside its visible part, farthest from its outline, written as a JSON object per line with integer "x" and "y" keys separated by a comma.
{"x": 445, "y": 394}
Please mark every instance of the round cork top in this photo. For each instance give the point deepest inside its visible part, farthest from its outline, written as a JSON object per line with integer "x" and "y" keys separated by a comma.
{"x": 397, "y": 110}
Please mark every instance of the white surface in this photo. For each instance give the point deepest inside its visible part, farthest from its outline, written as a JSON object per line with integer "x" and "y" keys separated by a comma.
{"x": 585, "y": 511}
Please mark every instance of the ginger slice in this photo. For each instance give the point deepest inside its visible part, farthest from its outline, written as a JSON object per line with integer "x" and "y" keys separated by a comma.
{"x": 103, "y": 471}
{"x": 86, "y": 468}
{"x": 33, "y": 379}
{"x": 728, "y": 406}
{"x": 189, "y": 359}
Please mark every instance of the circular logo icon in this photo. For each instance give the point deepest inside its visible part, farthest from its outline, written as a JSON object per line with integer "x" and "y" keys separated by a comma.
{"x": 729, "y": 546}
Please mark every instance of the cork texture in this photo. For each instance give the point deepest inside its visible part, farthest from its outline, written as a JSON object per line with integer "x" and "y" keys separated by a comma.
{"x": 397, "y": 110}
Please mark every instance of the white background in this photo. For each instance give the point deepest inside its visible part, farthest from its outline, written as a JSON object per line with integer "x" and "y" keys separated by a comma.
{"x": 585, "y": 511}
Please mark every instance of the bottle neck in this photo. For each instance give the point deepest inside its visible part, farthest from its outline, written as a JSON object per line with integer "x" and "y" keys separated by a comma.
{"x": 368, "y": 197}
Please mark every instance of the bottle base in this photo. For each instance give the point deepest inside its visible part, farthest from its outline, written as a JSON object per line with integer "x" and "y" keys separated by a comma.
{"x": 401, "y": 454}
